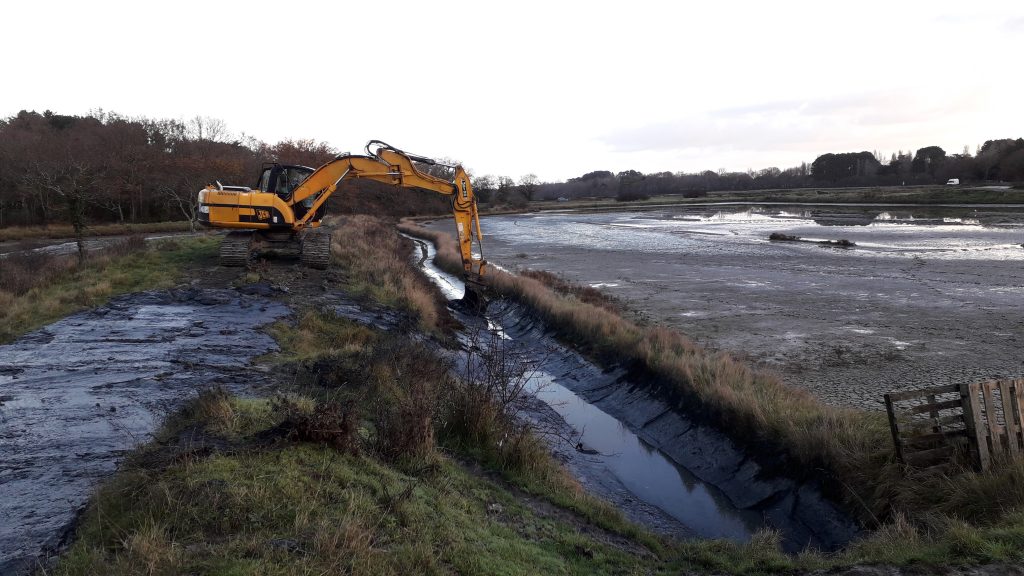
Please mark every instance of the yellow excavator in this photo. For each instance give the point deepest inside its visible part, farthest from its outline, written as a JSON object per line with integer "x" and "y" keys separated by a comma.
{"x": 286, "y": 209}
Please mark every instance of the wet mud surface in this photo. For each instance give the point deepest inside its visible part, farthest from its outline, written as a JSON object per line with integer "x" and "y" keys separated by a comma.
{"x": 79, "y": 393}
{"x": 927, "y": 297}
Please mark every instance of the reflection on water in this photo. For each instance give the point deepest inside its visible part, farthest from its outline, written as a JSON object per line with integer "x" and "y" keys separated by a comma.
{"x": 647, "y": 473}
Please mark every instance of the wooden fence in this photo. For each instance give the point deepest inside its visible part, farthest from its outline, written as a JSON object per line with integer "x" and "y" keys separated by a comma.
{"x": 931, "y": 426}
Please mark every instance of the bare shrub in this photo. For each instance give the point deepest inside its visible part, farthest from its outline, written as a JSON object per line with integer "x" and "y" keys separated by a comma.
{"x": 483, "y": 406}
{"x": 406, "y": 379}
{"x": 129, "y": 245}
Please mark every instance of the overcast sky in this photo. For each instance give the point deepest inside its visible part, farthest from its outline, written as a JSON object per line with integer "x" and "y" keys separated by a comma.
{"x": 553, "y": 88}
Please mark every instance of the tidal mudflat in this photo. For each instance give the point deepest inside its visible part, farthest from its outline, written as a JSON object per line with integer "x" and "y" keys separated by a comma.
{"x": 926, "y": 296}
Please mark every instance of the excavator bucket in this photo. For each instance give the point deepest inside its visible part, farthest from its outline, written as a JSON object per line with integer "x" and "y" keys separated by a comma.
{"x": 474, "y": 300}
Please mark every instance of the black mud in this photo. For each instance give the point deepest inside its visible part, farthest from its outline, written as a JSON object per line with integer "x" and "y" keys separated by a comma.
{"x": 79, "y": 393}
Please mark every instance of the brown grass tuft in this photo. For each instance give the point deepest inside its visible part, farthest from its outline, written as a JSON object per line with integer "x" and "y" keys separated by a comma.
{"x": 585, "y": 294}
{"x": 378, "y": 266}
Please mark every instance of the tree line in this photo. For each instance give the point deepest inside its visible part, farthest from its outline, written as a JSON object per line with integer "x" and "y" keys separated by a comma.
{"x": 994, "y": 161}
{"x": 105, "y": 167}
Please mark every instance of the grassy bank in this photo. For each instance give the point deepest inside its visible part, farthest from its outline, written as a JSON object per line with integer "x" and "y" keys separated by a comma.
{"x": 241, "y": 486}
{"x": 376, "y": 266}
{"x": 67, "y": 231}
{"x": 950, "y": 517}
{"x": 370, "y": 458}
{"x": 298, "y": 506}
{"x": 36, "y": 289}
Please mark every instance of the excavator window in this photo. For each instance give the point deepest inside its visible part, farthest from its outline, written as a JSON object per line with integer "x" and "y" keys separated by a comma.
{"x": 264, "y": 183}
{"x": 282, "y": 187}
{"x": 283, "y": 180}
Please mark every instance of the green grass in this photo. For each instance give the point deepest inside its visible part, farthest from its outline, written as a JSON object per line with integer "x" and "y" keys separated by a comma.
{"x": 334, "y": 514}
{"x": 319, "y": 334}
{"x": 79, "y": 287}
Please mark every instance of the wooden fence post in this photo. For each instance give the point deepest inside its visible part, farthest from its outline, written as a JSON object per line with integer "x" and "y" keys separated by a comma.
{"x": 894, "y": 427}
{"x": 975, "y": 427}
{"x": 995, "y": 431}
{"x": 1006, "y": 393}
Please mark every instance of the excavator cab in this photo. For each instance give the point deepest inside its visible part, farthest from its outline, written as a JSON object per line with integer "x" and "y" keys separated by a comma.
{"x": 282, "y": 179}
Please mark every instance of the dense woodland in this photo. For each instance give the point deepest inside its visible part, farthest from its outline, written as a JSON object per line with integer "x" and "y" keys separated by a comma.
{"x": 104, "y": 167}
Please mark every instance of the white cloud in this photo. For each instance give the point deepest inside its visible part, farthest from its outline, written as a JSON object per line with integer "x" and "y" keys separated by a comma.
{"x": 554, "y": 88}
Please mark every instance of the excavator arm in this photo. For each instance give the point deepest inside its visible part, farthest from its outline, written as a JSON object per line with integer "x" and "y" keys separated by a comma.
{"x": 390, "y": 165}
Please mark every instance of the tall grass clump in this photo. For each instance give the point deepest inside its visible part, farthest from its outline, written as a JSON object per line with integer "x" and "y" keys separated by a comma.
{"x": 378, "y": 267}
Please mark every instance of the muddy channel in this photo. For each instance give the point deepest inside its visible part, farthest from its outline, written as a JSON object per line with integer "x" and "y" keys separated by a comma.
{"x": 660, "y": 467}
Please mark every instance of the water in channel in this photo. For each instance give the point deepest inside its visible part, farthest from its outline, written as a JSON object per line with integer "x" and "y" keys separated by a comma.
{"x": 653, "y": 454}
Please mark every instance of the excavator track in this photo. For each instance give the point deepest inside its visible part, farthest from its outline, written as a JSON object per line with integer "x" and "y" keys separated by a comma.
{"x": 235, "y": 248}
{"x": 316, "y": 249}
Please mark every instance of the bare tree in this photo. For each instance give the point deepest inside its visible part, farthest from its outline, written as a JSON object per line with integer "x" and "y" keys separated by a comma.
{"x": 184, "y": 200}
{"x": 75, "y": 182}
{"x": 528, "y": 186}
{"x": 202, "y": 128}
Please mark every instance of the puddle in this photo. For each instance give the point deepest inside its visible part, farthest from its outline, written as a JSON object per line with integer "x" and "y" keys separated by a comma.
{"x": 81, "y": 392}
{"x": 657, "y": 466}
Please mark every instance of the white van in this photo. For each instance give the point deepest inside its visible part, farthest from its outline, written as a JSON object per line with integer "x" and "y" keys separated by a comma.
{"x": 953, "y": 182}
